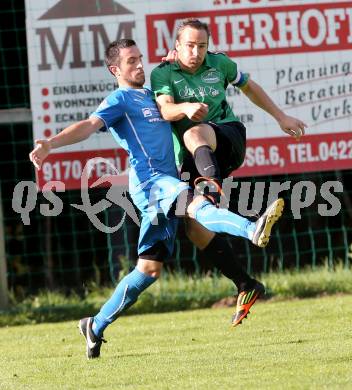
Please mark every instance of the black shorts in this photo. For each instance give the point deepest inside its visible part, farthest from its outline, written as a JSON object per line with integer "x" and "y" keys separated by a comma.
{"x": 230, "y": 149}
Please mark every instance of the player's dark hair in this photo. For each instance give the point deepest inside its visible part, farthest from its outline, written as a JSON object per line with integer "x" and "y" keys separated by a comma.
{"x": 112, "y": 52}
{"x": 193, "y": 23}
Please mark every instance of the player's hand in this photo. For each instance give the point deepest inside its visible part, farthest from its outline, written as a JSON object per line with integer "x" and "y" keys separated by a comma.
{"x": 171, "y": 56}
{"x": 40, "y": 152}
{"x": 292, "y": 126}
{"x": 196, "y": 112}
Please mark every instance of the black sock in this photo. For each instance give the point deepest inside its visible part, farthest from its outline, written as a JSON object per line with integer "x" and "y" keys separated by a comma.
{"x": 221, "y": 254}
{"x": 206, "y": 163}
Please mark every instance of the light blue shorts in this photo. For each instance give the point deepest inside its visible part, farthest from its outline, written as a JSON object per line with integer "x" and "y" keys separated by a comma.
{"x": 154, "y": 199}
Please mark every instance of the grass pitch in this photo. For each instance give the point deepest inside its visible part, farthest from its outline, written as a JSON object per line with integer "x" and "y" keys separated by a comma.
{"x": 296, "y": 344}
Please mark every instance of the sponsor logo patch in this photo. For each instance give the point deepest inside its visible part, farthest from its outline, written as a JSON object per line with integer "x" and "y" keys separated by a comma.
{"x": 211, "y": 76}
{"x": 147, "y": 112}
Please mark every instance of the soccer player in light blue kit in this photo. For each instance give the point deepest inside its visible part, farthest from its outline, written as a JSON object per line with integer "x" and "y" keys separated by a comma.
{"x": 131, "y": 115}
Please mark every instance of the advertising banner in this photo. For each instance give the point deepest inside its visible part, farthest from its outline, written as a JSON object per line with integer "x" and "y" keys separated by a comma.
{"x": 299, "y": 51}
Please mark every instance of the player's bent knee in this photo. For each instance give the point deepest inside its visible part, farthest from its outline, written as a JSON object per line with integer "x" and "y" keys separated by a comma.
{"x": 151, "y": 260}
{"x": 150, "y": 267}
{"x": 199, "y": 135}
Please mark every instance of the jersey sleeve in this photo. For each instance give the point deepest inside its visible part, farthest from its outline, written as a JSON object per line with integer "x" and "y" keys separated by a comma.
{"x": 110, "y": 110}
{"x": 160, "y": 81}
{"x": 235, "y": 76}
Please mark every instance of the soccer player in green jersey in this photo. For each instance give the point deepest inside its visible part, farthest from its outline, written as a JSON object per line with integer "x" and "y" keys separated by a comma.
{"x": 191, "y": 92}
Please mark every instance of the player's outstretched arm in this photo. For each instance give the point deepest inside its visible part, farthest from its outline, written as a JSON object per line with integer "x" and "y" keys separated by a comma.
{"x": 290, "y": 125}
{"x": 72, "y": 134}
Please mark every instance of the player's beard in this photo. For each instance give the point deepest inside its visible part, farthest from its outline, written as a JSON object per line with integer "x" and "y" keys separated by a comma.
{"x": 137, "y": 82}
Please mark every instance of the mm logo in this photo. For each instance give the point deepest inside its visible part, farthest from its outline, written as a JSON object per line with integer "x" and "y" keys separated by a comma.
{"x": 74, "y": 36}
{"x": 210, "y": 77}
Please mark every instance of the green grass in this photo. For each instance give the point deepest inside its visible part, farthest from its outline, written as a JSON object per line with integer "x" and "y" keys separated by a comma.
{"x": 292, "y": 344}
{"x": 176, "y": 292}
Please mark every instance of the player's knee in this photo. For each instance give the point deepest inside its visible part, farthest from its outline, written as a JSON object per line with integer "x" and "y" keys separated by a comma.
{"x": 150, "y": 267}
{"x": 151, "y": 260}
{"x": 198, "y": 136}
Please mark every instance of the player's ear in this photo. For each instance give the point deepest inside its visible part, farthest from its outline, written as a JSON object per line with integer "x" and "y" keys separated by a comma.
{"x": 115, "y": 70}
{"x": 177, "y": 45}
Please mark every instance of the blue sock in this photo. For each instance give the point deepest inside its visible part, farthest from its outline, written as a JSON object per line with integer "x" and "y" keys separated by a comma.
{"x": 124, "y": 296}
{"x": 223, "y": 221}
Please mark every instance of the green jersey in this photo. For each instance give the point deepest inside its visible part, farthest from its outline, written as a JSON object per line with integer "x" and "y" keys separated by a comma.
{"x": 207, "y": 85}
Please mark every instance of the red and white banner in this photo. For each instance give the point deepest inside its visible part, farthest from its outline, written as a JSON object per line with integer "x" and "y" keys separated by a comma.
{"x": 299, "y": 51}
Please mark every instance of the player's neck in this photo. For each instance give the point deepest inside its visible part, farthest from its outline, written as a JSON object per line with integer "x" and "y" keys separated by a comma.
{"x": 129, "y": 85}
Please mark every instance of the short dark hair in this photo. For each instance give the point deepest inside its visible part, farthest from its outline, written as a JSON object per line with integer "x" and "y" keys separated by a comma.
{"x": 112, "y": 52}
{"x": 193, "y": 23}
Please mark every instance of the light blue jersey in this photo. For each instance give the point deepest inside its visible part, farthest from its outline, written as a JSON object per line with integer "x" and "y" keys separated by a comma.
{"x": 133, "y": 118}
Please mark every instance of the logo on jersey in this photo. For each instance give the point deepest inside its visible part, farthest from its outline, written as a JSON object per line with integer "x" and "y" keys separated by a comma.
{"x": 200, "y": 92}
{"x": 211, "y": 76}
{"x": 152, "y": 113}
{"x": 147, "y": 112}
